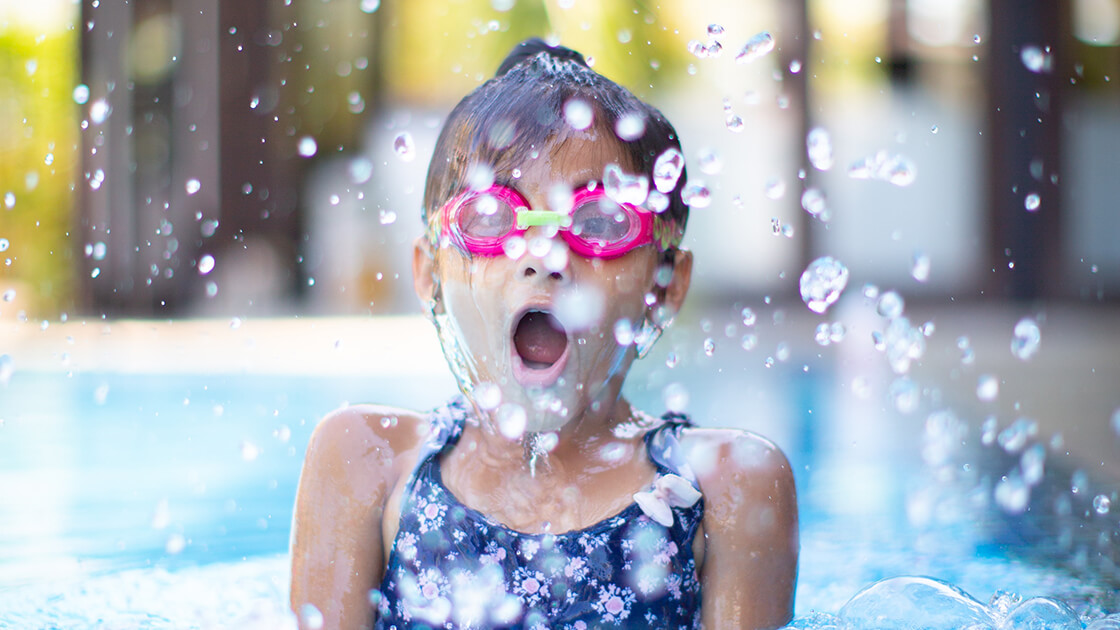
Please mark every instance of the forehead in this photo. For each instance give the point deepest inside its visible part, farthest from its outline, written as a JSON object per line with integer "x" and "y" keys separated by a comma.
{"x": 576, "y": 158}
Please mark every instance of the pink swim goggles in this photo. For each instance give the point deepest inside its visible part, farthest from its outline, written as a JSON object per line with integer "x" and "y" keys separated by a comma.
{"x": 597, "y": 227}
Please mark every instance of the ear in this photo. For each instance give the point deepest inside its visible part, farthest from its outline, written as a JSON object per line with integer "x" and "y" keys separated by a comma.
{"x": 424, "y": 270}
{"x": 678, "y": 286}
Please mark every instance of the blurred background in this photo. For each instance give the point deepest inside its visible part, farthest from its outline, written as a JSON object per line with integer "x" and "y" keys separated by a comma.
{"x": 207, "y": 201}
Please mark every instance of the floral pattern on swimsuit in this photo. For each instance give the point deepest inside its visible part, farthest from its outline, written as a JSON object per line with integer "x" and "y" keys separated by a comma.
{"x": 452, "y": 567}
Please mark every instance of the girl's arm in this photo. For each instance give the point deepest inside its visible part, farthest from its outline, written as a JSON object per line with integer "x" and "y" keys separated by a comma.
{"x": 337, "y": 544}
{"x": 749, "y": 569}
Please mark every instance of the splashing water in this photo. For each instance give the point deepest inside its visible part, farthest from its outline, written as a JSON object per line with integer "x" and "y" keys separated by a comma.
{"x": 1026, "y": 339}
{"x": 818, "y": 144}
{"x": 757, "y": 46}
{"x": 903, "y": 344}
{"x": 895, "y": 169}
{"x": 696, "y": 195}
{"x": 404, "y": 147}
{"x": 890, "y": 305}
{"x": 625, "y": 188}
{"x": 822, "y": 282}
{"x": 667, "y": 170}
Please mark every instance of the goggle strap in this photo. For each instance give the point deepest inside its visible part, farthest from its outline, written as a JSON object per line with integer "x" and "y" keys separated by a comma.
{"x": 534, "y": 218}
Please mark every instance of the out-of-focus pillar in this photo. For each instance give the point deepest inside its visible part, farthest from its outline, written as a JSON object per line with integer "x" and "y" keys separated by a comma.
{"x": 1027, "y": 71}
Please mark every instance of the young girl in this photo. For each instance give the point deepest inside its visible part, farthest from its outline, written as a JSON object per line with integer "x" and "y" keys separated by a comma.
{"x": 540, "y": 498}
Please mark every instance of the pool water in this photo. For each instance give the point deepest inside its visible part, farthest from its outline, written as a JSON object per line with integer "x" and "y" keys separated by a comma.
{"x": 164, "y": 501}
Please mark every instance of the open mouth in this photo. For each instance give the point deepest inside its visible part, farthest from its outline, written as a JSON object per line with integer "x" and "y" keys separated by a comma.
{"x": 540, "y": 340}
{"x": 540, "y": 349}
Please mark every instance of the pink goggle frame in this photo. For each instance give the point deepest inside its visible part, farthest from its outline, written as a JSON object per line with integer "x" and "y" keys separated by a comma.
{"x": 480, "y": 222}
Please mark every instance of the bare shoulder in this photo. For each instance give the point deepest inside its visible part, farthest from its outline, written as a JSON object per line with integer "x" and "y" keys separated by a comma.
{"x": 366, "y": 438}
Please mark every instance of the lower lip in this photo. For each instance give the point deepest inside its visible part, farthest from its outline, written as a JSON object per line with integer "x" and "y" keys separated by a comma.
{"x": 538, "y": 377}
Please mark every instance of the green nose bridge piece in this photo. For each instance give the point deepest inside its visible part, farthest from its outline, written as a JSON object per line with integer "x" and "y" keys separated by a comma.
{"x": 535, "y": 218}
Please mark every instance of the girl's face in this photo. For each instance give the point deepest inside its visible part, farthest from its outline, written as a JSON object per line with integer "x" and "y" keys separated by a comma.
{"x": 540, "y": 329}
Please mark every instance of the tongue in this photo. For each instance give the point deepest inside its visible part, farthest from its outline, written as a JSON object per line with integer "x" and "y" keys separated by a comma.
{"x": 539, "y": 339}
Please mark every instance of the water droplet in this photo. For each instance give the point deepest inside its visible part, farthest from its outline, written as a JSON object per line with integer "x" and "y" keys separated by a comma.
{"x": 404, "y": 147}
{"x": 249, "y": 451}
{"x": 895, "y": 169}
{"x": 630, "y": 126}
{"x": 667, "y": 170}
{"x": 208, "y": 228}
{"x": 481, "y": 177}
{"x": 7, "y": 367}
{"x": 623, "y": 332}
{"x": 919, "y": 267}
{"x": 890, "y": 305}
{"x": 4, "y": 244}
{"x": 1015, "y": 437}
{"x": 386, "y": 217}
{"x": 657, "y": 202}
{"x": 822, "y": 282}
{"x": 205, "y": 264}
{"x": 905, "y": 394}
{"x": 175, "y": 544}
{"x": 813, "y": 201}
{"x": 709, "y": 346}
{"x": 933, "y": 129}
{"x": 696, "y": 195}
{"x": 818, "y": 144}
{"x": 578, "y": 113}
{"x": 625, "y": 188}
{"x": 1035, "y": 59}
{"x": 370, "y": 6}
{"x": 1102, "y": 504}
{"x": 99, "y": 110}
{"x": 755, "y": 47}
{"x": 9, "y": 295}
{"x": 697, "y": 48}
{"x": 9, "y": 200}
{"x": 675, "y": 397}
{"x": 235, "y": 323}
{"x": 515, "y": 247}
{"x": 715, "y": 30}
{"x": 1115, "y": 421}
{"x": 821, "y": 335}
{"x": 1026, "y": 340}
{"x": 193, "y": 186}
{"x": 987, "y": 387}
{"x": 307, "y": 146}
{"x": 749, "y": 317}
{"x": 310, "y": 617}
{"x": 1012, "y": 494}
{"x": 734, "y": 122}
{"x": 710, "y": 162}
{"x": 1031, "y": 202}
{"x": 775, "y": 188}
{"x": 487, "y": 396}
{"x": 81, "y": 94}
{"x": 975, "y": 39}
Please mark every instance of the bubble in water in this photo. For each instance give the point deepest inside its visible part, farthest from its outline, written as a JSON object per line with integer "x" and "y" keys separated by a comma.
{"x": 193, "y": 186}
{"x": 625, "y": 188}
{"x": 675, "y": 397}
{"x": 1031, "y": 202}
{"x": 1026, "y": 340}
{"x": 813, "y": 201}
{"x": 1012, "y": 494}
{"x": 696, "y": 195}
{"x": 896, "y": 602}
{"x": 919, "y": 267}
{"x": 404, "y": 147}
{"x": 818, "y": 144}
{"x": 987, "y": 387}
{"x": 81, "y": 94}
{"x": 578, "y": 114}
{"x": 7, "y": 367}
{"x": 630, "y": 126}
{"x": 205, "y": 264}
{"x": 1035, "y": 59}
{"x": 822, "y": 282}
{"x": 310, "y": 617}
{"x": 1102, "y": 504}
{"x": 667, "y": 170}
{"x": 370, "y": 6}
{"x": 756, "y": 47}
{"x": 307, "y": 146}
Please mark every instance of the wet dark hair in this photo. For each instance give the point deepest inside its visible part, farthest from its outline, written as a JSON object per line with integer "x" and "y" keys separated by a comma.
{"x": 521, "y": 109}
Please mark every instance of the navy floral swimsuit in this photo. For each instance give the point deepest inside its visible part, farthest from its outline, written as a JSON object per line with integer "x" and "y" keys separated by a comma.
{"x": 453, "y": 567}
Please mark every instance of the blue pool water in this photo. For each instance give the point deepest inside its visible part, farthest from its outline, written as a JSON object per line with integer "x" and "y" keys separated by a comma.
{"x": 163, "y": 501}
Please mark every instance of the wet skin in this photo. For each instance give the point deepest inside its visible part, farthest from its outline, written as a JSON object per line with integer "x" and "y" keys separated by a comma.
{"x": 349, "y": 499}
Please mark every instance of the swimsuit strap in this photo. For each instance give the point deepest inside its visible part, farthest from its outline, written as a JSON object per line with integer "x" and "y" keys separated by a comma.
{"x": 664, "y": 448}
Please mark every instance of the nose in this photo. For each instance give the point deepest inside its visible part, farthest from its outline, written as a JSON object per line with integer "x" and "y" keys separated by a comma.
{"x": 548, "y": 265}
